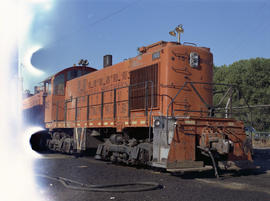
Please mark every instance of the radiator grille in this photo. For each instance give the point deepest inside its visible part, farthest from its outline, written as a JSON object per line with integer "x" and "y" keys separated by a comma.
{"x": 138, "y": 92}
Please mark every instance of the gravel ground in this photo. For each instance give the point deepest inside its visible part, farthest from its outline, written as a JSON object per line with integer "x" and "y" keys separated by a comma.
{"x": 252, "y": 185}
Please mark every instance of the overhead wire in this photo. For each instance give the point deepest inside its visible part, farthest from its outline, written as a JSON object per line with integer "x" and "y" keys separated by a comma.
{"x": 53, "y": 42}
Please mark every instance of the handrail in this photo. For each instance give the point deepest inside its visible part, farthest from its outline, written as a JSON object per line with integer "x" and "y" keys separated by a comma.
{"x": 146, "y": 83}
{"x": 189, "y": 43}
{"x": 167, "y": 129}
{"x": 198, "y": 94}
{"x": 172, "y": 100}
{"x": 210, "y": 107}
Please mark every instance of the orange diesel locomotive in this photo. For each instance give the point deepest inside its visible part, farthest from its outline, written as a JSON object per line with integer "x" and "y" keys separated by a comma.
{"x": 154, "y": 109}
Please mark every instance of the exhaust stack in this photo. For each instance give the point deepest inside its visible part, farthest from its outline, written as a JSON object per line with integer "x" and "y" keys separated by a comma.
{"x": 107, "y": 60}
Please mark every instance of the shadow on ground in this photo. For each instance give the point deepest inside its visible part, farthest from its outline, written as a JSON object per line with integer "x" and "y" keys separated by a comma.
{"x": 261, "y": 160}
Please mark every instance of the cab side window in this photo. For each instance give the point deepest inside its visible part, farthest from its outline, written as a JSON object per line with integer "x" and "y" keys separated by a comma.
{"x": 59, "y": 85}
{"x": 73, "y": 74}
{"x": 48, "y": 87}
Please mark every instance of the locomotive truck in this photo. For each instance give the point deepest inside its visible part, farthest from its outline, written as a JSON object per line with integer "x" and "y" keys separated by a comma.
{"x": 154, "y": 109}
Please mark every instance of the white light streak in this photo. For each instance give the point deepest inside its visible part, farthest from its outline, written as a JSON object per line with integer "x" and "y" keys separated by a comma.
{"x": 48, "y": 6}
{"x": 27, "y": 60}
{"x": 25, "y": 141}
{"x": 28, "y": 10}
{"x": 45, "y": 4}
{"x": 39, "y": 1}
{"x": 17, "y": 179}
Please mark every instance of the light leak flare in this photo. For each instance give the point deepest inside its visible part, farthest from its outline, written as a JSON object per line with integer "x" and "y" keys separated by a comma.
{"x": 27, "y": 60}
{"x": 17, "y": 179}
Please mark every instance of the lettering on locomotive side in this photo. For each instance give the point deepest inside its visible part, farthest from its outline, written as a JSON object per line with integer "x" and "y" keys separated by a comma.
{"x": 109, "y": 82}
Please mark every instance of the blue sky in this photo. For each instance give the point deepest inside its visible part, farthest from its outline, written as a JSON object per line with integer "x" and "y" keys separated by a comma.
{"x": 73, "y": 29}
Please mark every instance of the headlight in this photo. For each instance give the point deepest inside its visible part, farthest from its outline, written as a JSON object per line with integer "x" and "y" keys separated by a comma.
{"x": 194, "y": 59}
{"x": 157, "y": 123}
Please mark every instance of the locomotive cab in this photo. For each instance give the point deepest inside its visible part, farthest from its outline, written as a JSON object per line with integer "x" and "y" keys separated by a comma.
{"x": 55, "y": 87}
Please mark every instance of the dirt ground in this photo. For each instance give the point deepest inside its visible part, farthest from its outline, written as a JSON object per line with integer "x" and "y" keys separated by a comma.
{"x": 241, "y": 185}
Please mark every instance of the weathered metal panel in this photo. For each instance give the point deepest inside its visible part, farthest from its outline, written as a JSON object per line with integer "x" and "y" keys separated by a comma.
{"x": 161, "y": 141}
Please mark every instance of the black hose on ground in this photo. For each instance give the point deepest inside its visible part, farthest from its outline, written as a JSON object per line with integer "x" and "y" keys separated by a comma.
{"x": 208, "y": 151}
{"x": 214, "y": 163}
{"x": 74, "y": 185}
